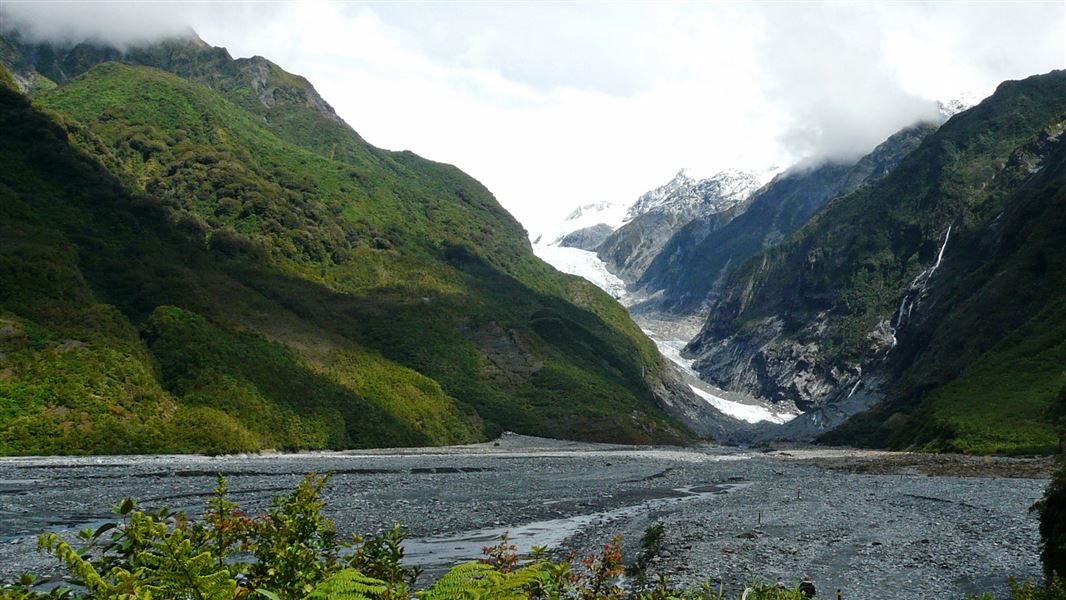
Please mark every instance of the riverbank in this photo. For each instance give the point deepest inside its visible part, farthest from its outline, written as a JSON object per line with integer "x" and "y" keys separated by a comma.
{"x": 875, "y": 524}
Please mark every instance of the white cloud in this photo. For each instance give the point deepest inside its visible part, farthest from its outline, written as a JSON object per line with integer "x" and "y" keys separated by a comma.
{"x": 555, "y": 104}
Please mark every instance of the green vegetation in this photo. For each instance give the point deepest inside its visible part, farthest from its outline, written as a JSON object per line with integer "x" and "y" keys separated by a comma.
{"x": 187, "y": 269}
{"x": 294, "y": 552}
{"x": 984, "y": 367}
{"x": 691, "y": 263}
{"x": 857, "y": 256}
{"x": 651, "y": 544}
{"x": 978, "y": 363}
{"x": 1052, "y": 511}
{"x": 1052, "y": 590}
{"x": 1001, "y": 403}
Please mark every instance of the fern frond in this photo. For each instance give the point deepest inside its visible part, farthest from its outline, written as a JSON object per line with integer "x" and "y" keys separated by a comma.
{"x": 463, "y": 582}
{"x": 521, "y": 579}
{"x": 78, "y": 566}
{"x": 349, "y": 584}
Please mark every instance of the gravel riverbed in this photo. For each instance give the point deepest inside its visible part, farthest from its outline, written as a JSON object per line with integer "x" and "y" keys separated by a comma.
{"x": 875, "y": 525}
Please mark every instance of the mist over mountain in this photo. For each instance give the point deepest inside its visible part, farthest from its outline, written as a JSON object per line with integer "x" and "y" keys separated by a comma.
{"x": 711, "y": 87}
{"x": 860, "y": 308}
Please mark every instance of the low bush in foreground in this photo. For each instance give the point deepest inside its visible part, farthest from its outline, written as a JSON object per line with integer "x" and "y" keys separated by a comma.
{"x": 294, "y": 552}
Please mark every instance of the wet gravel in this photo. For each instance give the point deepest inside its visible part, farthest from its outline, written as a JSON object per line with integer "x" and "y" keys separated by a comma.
{"x": 874, "y": 525}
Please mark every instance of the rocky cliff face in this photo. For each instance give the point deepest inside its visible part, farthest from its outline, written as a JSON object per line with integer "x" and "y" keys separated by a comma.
{"x": 825, "y": 319}
{"x": 586, "y": 238}
{"x": 660, "y": 213}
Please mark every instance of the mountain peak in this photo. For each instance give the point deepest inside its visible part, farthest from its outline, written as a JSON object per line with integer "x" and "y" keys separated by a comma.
{"x": 682, "y": 175}
{"x": 684, "y": 195}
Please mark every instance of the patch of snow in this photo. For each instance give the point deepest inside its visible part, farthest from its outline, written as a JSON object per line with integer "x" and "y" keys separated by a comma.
{"x": 583, "y": 264}
{"x": 963, "y": 101}
{"x": 745, "y": 412}
{"x": 587, "y": 215}
{"x": 685, "y": 194}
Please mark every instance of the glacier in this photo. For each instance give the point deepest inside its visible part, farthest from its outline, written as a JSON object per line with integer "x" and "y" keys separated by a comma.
{"x": 751, "y": 413}
{"x": 582, "y": 263}
{"x": 586, "y": 264}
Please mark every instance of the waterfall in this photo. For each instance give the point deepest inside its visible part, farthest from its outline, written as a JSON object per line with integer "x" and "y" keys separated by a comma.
{"x": 940, "y": 255}
{"x": 856, "y": 386}
{"x": 916, "y": 290}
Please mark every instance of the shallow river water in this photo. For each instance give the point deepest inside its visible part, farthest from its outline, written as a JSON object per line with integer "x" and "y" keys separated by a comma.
{"x": 870, "y": 525}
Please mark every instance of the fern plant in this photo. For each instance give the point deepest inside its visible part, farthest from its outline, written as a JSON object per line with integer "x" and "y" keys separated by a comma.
{"x": 157, "y": 555}
{"x": 349, "y": 584}
{"x": 481, "y": 581}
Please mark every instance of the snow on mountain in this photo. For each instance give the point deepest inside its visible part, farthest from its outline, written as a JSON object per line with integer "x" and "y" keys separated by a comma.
{"x": 587, "y": 215}
{"x": 956, "y": 105}
{"x": 686, "y": 195}
{"x": 583, "y": 264}
{"x": 683, "y": 195}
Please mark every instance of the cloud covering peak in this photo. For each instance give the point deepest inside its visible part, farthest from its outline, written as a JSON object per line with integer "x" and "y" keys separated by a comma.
{"x": 554, "y": 105}
{"x": 111, "y": 23}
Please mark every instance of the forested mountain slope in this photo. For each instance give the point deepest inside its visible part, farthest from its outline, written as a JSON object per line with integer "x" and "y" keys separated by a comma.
{"x": 898, "y": 288}
{"x": 200, "y": 256}
{"x": 684, "y": 274}
{"x": 983, "y": 357}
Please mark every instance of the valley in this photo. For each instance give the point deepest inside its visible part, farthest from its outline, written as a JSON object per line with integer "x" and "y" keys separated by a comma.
{"x": 835, "y": 347}
{"x": 861, "y": 301}
{"x": 870, "y": 523}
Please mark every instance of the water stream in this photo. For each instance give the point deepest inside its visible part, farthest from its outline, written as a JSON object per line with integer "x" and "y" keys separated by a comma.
{"x": 436, "y": 554}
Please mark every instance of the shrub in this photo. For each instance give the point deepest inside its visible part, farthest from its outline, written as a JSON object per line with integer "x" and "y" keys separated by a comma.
{"x": 1052, "y": 511}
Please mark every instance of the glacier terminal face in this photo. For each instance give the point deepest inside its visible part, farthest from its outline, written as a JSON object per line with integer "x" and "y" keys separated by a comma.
{"x": 752, "y": 413}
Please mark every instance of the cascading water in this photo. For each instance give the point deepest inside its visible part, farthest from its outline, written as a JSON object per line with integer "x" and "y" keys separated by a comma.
{"x": 917, "y": 290}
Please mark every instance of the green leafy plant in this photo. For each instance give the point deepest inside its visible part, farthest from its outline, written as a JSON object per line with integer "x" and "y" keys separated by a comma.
{"x": 381, "y": 557}
{"x": 651, "y": 544}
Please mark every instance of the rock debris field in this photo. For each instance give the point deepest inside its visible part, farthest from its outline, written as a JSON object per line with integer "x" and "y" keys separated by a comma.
{"x": 874, "y": 525}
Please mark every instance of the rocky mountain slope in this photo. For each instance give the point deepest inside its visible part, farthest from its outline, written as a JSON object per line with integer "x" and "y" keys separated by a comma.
{"x": 914, "y": 290}
{"x": 199, "y": 255}
{"x": 657, "y": 215}
{"x": 981, "y": 339}
{"x": 585, "y": 227}
{"x": 683, "y": 275}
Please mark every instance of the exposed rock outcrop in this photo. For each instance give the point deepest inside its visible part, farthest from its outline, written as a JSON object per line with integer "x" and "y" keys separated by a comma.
{"x": 659, "y": 214}
{"x": 508, "y": 354}
{"x": 586, "y": 238}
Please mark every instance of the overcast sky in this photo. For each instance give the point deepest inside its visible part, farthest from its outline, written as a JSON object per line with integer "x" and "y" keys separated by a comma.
{"x": 555, "y": 104}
